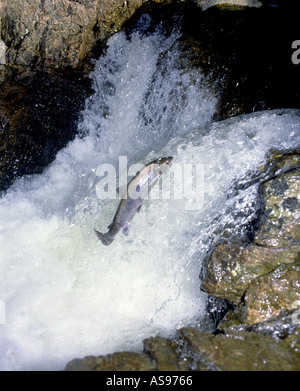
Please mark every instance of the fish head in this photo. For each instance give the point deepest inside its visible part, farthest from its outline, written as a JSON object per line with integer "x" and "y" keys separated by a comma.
{"x": 163, "y": 164}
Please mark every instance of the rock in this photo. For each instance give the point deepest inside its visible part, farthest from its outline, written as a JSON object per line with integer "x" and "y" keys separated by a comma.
{"x": 204, "y": 4}
{"x": 56, "y": 33}
{"x": 194, "y": 350}
{"x": 280, "y": 223}
{"x": 282, "y": 327}
{"x": 124, "y": 361}
{"x": 38, "y": 116}
{"x": 60, "y": 34}
{"x": 166, "y": 353}
{"x": 160, "y": 354}
{"x": 264, "y": 275}
{"x": 239, "y": 351}
{"x": 271, "y": 294}
{"x": 231, "y": 268}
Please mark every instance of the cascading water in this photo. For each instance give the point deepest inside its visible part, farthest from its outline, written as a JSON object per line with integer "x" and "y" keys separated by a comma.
{"x": 62, "y": 293}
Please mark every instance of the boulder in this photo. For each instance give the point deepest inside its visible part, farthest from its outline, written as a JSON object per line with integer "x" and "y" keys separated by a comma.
{"x": 123, "y": 361}
{"x": 59, "y": 33}
{"x": 265, "y": 274}
{"x": 274, "y": 293}
{"x": 38, "y": 116}
{"x": 66, "y": 33}
{"x": 2, "y": 52}
{"x": 237, "y": 350}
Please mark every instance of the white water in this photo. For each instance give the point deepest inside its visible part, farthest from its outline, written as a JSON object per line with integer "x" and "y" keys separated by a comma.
{"x": 66, "y": 295}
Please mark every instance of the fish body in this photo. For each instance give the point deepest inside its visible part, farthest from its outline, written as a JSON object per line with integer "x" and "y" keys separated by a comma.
{"x": 137, "y": 190}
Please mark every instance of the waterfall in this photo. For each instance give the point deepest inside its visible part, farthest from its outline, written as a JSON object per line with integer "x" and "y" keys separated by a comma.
{"x": 66, "y": 295}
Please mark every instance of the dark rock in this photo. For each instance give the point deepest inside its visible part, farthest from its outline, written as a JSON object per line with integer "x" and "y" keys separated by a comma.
{"x": 38, "y": 116}
{"x": 216, "y": 308}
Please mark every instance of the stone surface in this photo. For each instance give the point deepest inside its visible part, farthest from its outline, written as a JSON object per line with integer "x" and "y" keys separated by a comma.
{"x": 281, "y": 221}
{"x": 231, "y": 268}
{"x": 60, "y": 33}
{"x": 238, "y": 350}
{"x": 265, "y": 274}
{"x": 204, "y": 4}
{"x": 124, "y": 361}
{"x": 38, "y": 116}
{"x": 65, "y": 33}
{"x": 273, "y": 293}
{"x": 166, "y": 353}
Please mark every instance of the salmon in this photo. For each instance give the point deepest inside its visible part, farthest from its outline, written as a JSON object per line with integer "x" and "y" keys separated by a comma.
{"x": 137, "y": 190}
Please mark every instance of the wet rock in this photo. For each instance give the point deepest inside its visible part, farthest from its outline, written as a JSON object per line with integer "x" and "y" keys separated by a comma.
{"x": 279, "y": 163}
{"x": 280, "y": 223}
{"x": 216, "y": 308}
{"x": 281, "y": 327}
{"x": 271, "y": 294}
{"x": 166, "y": 353}
{"x": 123, "y": 361}
{"x": 57, "y": 33}
{"x": 38, "y": 116}
{"x": 239, "y": 350}
{"x": 232, "y": 268}
{"x": 245, "y": 63}
{"x": 264, "y": 274}
{"x": 204, "y": 4}
{"x": 194, "y": 350}
{"x": 160, "y": 354}
{"x": 293, "y": 340}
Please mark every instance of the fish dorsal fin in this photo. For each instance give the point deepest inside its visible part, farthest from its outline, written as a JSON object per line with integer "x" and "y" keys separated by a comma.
{"x": 126, "y": 230}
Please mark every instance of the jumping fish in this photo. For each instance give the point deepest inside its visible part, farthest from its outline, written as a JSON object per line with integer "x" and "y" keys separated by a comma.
{"x": 137, "y": 190}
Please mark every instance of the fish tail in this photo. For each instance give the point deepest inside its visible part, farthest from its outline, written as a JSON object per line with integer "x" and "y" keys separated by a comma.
{"x": 106, "y": 239}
